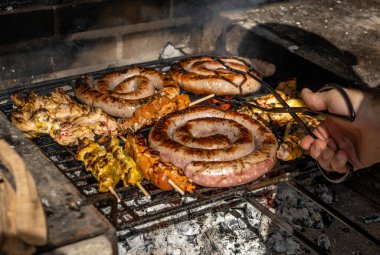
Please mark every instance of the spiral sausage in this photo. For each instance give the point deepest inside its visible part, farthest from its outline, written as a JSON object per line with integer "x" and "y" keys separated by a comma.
{"x": 120, "y": 93}
{"x": 216, "y": 148}
{"x": 205, "y": 75}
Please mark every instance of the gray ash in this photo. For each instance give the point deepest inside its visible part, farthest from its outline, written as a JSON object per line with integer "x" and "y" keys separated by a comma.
{"x": 213, "y": 233}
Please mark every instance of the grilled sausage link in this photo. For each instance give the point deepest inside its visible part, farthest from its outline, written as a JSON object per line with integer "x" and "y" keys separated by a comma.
{"x": 205, "y": 75}
{"x": 216, "y": 148}
{"x": 120, "y": 93}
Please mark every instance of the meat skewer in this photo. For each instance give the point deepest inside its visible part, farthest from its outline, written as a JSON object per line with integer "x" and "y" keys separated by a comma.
{"x": 109, "y": 164}
{"x": 200, "y": 100}
{"x": 101, "y": 163}
{"x": 154, "y": 169}
{"x": 153, "y": 111}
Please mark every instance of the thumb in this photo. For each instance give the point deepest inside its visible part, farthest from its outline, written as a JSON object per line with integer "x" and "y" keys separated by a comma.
{"x": 317, "y": 101}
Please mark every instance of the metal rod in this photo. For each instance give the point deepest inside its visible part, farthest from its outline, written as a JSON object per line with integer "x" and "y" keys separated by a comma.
{"x": 284, "y": 225}
{"x": 267, "y": 86}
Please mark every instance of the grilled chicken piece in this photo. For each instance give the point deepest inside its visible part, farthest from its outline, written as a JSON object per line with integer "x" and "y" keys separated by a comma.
{"x": 102, "y": 165}
{"x": 61, "y": 117}
{"x": 107, "y": 170}
{"x": 33, "y": 124}
{"x": 59, "y": 105}
{"x": 149, "y": 113}
{"x": 96, "y": 122}
{"x": 290, "y": 149}
{"x": 153, "y": 168}
{"x": 108, "y": 162}
{"x": 131, "y": 175}
{"x": 267, "y": 118}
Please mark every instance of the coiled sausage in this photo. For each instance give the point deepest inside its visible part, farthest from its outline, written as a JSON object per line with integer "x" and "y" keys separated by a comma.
{"x": 216, "y": 148}
{"x": 205, "y": 75}
{"x": 120, "y": 93}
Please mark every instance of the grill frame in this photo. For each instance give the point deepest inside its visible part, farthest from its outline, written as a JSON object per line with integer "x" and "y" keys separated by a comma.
{"x": 63, "y": 156}
{"x": 133, "y": 200}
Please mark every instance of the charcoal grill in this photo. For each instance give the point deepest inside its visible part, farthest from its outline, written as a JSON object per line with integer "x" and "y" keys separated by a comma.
{"x": 136, "y": 214}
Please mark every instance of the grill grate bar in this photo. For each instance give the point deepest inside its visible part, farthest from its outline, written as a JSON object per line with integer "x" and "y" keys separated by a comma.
{"x": 284, "y": 225}
{"x": 337, "y": 215}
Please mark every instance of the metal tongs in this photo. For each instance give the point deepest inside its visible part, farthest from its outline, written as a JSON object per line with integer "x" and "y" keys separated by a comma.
{"x": 330, "y": 176}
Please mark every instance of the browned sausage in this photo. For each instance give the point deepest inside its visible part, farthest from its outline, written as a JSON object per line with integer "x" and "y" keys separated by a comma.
{"x": 120, "y": 93}
{"x": 204, "y": 75}
{"x": 243, "y": 149}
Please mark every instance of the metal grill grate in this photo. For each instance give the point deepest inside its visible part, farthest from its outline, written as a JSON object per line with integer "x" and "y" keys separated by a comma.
{"x": 136, "y": 214}
{"x": 134, "y": 209}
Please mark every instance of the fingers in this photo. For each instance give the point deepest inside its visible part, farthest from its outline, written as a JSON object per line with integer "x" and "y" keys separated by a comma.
{"x": 333, "y": 161}
{"x": 339, "y": 161}
{"x": 317, "y": 148}
{"x": 316, "y": 101}
{"x": 324, "y": 151}
{"x": 330, "y": 100}
{"x": 306, "y": 142}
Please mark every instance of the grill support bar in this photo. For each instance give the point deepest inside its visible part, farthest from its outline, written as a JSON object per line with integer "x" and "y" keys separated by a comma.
{"x": 337, "y": 215}
{"x": 284, "y": 225}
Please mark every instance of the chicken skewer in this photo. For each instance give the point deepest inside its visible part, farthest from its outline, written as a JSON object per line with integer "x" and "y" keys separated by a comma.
{"x": 160, "y": 106}
{"x": 109, "y": 164}
{"x": 160, "y": 173}
{"x": 131, "y": 175}
{"x": 102, "y": 165}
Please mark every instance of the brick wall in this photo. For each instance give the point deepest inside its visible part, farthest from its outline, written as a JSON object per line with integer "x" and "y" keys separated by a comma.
{"x": 48, "y": 39}
{"x": 44, "y": 41}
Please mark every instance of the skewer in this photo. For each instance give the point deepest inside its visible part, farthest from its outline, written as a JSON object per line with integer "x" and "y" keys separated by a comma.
{"x": 147, "y": 195}
{"x": 176, "y": 187}
{"x": 201, "y": 99}
{"x": 114, "y": 193}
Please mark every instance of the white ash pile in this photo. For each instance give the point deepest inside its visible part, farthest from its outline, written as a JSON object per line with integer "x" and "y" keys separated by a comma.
{"x": 232, "y": 232}
{"x": 241, "y": 229}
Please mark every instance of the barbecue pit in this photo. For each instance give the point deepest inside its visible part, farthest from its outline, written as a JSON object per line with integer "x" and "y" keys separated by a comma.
{"x": 344, "y": 214}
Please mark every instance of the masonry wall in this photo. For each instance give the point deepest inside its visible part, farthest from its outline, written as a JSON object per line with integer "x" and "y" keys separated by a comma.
{"x": 51, "y": 39}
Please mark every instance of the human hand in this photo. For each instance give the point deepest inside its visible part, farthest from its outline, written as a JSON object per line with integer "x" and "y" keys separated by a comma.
{"x": 339, "y": 141}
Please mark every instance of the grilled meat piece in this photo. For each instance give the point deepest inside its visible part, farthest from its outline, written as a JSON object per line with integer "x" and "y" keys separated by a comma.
{"x": 108, "y": 163}
{"x": 290, "y": 149}
{"x": 96, "y": 122}
{"x": 131, "y": 175}
{"x": 61, "y": 117}
{"x": 153, "y": 168}
{"x": 58, "y": 104}
{"x": 191, "y": 139}
{"x": 102, "y": 165}
{"x": 205, "y": 75}
{"x": 149, "y": 113}
{"x": 121, "y": 93}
